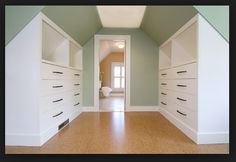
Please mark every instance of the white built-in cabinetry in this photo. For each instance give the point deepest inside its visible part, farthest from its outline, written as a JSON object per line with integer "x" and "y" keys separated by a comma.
{"x": 194, "y": 82}
{"x": 43, "y": 82}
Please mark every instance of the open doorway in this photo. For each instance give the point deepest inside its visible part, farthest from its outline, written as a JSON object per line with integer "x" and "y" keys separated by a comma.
{"x": 119, "y": 73}
{"x": 111, "y": 75}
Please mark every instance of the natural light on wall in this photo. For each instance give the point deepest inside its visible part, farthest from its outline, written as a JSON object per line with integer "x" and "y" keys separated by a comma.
{"x": 121, "y": 16}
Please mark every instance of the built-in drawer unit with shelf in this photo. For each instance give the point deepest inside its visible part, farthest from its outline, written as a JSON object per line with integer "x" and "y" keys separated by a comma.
{"x": 194, "y": 82}
{"x": 44, "y": 89}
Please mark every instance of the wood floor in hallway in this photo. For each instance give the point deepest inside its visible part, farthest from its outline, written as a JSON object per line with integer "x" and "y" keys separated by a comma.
{"x": 120, "y": 133}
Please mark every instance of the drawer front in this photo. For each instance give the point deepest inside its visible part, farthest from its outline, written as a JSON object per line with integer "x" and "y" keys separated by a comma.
{"x": 184, "y": 85}
{"x": 52, "y": 117}
{"x": 166, "y": 94}
{"x": 50, "y": 102}
{"x": 185, "y": 71}
{"x": 163, "y": 102}
{"x": 74, "y": 74}
{"x": 164, "y": 84}
{"x": 165, "y": 74}
{"x": 185, "y": 100}
{"x": 49, "y": 87}
{"x": 186, "y": 116}
{"x": 53, "y": 72}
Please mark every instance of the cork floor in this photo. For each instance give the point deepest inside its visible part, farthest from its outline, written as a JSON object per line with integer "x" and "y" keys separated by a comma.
{"x": 111, "y": 103}
{"x": 120, "y": 133}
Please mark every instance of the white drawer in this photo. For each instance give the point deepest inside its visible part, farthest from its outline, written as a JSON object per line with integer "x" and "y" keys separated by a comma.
{"x": 166, "y": 94}
{"x": 49, "y": 87}
{"x": 186, "y": 100}
{"x": 164, "y": 84}
{"x": 52, "y": 117}
{"x": 185, "y": 71}
{"x": 74, "y": 74}
{"x": 49, "y": 102}
{"x": 165, "y": 74}
{"x": 184, "y": 85}
{"x": 186, "y": 116}
{"x": 49, "y": 71}
{"x": 163, "y": 102}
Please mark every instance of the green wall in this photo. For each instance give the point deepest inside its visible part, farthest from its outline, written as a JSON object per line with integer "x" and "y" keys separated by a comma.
{"x": 218, "y": 16}
{"x": 80, "y": 22}
{"x": 161, "y": 22}
{"x": 144, "y": 68}
{"x": 17, "y": 17}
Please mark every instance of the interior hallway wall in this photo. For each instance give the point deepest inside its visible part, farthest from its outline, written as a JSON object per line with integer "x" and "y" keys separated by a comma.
{"x": 144, "y": 68}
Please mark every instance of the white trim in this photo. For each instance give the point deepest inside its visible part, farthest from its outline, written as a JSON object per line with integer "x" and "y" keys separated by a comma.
{"x": 142, "y": 108}
{"x": 90, "y": 109}
{"x": 213, "y": 137}
{"x": 97, "y": 39}
{"x": 197, "y": 137}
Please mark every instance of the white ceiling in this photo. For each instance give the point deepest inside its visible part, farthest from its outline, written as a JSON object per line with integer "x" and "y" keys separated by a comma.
{"x": 108, "y": 46}
{"x": 121, "y": 16}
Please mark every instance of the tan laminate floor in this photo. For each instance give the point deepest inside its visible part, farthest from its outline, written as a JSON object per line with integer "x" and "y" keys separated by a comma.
{"x": 120, "y": 132}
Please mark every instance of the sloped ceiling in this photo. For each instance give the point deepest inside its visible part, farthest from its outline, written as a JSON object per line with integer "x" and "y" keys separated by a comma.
{"x": 218, "y": 16}
{"x": 80, "y": 22}
{"x": 160, "y": 22}
{"x": 16, "y": 17}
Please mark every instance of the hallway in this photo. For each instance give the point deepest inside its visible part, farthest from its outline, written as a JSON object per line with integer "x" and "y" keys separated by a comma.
{"x": 112, "y": 103}
{"x": 119, "y": 132}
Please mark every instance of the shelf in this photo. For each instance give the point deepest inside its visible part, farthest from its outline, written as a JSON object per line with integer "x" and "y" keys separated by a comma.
{"x": 55, "y": 47}
{"x": 184, "y": 46}
{"x": 75, "y": 56}
{"x": 165, "y": 56}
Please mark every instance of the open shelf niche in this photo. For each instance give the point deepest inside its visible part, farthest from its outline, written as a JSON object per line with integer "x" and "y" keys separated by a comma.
{"x": 75, "y": 56}
{"x": 165, "y": 55}
{"x": 184, "y": 46}
{"x": 55, "y": 46}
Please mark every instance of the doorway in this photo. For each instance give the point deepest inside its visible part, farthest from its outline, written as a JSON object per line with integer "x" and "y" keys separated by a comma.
{"x": 111, "y": 72}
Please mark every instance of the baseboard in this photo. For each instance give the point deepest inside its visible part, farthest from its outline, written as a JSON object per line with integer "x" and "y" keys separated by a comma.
{"x": 74, "y": 115}
{"x": 192, "y": 134}
{"x": 142, "y": 108}
{"x": 213, "y": 137}
{"x": 36, "y": 139}
{"x": 197, "y": 137}
{"x": 90, "y": 109}
{"x": 22, "y": 140}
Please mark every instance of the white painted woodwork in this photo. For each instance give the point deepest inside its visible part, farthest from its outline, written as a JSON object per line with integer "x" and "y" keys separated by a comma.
{"x": 97, "y": 39}
{"x": 199, "y": 60}
{"x": 37, "y": 59}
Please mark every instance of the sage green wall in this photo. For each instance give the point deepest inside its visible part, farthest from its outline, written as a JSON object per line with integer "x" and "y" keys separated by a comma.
{"x": 161, "y": 22}
{"x": 218, "y": 16}
{"x": 80, "y": 22}
{"x": 144, "y": 68}
{"x": 17, "y": 17}
{"x": 88, "y": 73}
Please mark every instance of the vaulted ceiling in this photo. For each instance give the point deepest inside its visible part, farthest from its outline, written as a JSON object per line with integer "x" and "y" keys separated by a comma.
{"x": 82, "y": 22}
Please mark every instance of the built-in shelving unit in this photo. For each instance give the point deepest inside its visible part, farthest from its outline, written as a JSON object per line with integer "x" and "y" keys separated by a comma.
{"x": 194, "y": 82}
{"x": 43, "y": 82}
